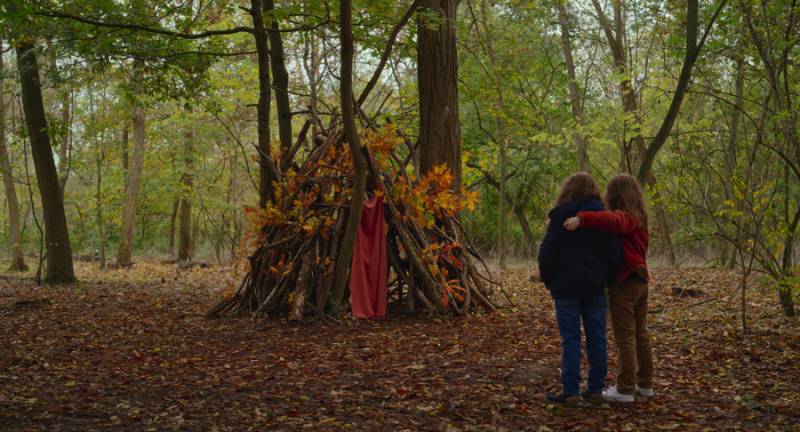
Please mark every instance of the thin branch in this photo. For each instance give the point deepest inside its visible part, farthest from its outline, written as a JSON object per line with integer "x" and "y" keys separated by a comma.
{"x": 138, "y": 27}
{"x": 387, "y": 50}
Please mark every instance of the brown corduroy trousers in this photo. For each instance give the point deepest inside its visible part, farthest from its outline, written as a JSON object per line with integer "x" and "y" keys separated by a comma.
{"x": 627, "y": 302}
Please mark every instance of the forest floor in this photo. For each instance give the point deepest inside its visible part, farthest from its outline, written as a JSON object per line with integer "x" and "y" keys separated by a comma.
{"x": 131, "y": 350}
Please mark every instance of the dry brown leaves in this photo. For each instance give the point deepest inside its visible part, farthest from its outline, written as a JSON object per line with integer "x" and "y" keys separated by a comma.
{"x": 130, "y": 350}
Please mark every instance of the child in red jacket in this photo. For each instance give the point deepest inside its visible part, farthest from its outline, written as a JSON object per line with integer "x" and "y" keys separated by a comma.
{"x": 626, "y": 217}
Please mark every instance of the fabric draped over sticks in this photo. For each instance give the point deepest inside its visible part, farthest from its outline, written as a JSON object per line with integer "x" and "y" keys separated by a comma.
{"x": 369, "y": 270}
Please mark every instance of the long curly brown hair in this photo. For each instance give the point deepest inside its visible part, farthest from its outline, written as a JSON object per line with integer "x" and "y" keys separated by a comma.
{"x": 625, "y": 193}
{"x": 578, "y": 187}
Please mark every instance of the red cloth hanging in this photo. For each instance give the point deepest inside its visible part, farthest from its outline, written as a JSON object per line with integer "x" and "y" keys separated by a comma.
{"x": 369, "y": 271}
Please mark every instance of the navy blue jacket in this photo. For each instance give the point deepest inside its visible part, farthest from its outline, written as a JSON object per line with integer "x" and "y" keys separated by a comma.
{"x": 577, "y": 264}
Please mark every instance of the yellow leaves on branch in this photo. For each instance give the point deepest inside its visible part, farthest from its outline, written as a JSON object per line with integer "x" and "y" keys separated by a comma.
{"x": 433, "y": 197}
{"x": 382, "y": 143}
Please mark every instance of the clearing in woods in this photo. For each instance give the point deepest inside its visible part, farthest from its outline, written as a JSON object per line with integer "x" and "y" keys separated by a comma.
{"x": 131, "y": 350}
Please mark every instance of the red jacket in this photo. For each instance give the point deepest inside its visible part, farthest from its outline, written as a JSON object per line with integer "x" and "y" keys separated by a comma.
{"x": 635, "y": 239}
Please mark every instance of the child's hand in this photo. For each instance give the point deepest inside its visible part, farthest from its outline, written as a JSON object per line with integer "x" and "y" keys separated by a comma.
{"x": 572, "y": 223}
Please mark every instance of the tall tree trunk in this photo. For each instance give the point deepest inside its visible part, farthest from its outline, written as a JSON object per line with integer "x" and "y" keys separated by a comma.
{"x": 59, "y": 253}
{"x": 787, "y": 260}
{"x": 172, "y": 219}
{"x": 63, "y": 148}
{"x": 17, "y": 260}
{"x": 98, "y": 194}
{"x": 101, "y": 232}
{"x": 236, "y": 214}
{"x": 345, "y": 256}
{"x": 185, "y": 219}
{"x": 125, "y": 145}
{"x": 280, "y": 78}
{"x": 311, "y": 67}
{"x": 691, "y": 54}
{"x": 581, "y": 151}
{"x": 500, "y": 132}
{"x": 647, "y": 156}
{"x": 776, "y": 64}
{"x": 633, "y": 153}
{"x": 134, "y": 172}
{"x": 266, "y": 173}
{"x": 730, "y": 150}
{"x": 437, "y": 72}
{"x": 64, "y": 96}
{"x": 616, "y": 38}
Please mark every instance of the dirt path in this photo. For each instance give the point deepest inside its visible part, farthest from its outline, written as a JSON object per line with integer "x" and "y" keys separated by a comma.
{"x": 130, "y": 350}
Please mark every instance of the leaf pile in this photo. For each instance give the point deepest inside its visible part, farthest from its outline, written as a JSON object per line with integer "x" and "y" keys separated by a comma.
{"x": 130, "y": 350}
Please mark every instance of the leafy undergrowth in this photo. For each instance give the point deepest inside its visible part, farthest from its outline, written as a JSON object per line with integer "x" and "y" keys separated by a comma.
{"x": 131, "y": 350}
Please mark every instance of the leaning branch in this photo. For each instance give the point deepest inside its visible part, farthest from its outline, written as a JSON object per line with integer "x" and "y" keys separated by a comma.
{"x": 386, "y": 51}
{"x": 143, "y": 28}
{"x": 684, "y": 79}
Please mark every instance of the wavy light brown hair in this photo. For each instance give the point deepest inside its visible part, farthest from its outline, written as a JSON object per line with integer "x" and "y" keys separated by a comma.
{"x": 578, "y": 187}
{"x": 625, "y": 193}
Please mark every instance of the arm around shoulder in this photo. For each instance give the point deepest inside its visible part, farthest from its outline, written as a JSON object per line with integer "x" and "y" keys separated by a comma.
{"x": 614, "y": 221}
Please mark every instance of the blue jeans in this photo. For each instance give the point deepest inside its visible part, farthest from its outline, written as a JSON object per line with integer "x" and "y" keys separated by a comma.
{"x": 569, "y": 313}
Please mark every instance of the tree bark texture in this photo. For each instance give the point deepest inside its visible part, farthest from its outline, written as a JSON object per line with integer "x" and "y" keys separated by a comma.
{"x": 437, "y": 71}
{"x": 344, "y": 258}
{"x": 280, "y": 78}
{"x": 581, "y": 151}
{"x": 266, "y": 175}
{"x": 15, "y": 239}
{"x": 187, "y": 180}
{"x": 59, "y": 252}
{"x": 134, "y": 172}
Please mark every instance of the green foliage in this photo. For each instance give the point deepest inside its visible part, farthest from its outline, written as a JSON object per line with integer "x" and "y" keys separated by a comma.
{"x": 512, "y": 88}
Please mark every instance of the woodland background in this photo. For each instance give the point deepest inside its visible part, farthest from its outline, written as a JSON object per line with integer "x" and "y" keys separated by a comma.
{"x": 537, "y": 83}
{"x": 161, "y": 135}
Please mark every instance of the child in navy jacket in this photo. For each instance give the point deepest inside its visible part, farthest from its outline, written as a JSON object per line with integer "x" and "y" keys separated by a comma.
{"x": 576, "y": 267}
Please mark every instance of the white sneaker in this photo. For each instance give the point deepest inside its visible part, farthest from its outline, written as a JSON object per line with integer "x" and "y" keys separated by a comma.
{"x": 646, "y": 392}
{"x": 612, "y": 395}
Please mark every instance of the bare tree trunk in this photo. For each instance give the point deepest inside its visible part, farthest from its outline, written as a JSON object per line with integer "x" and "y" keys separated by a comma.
{"x": 100, "y": 222}
{"x": 581, "y": 151}
{"x": 311, "y": 66}
{"x": 125, "y": 146}
{"x": 733, "y": 136}
{"x": 266, "y": 175}
{"x": 134, "y": 173}
{"x": 195, "y": 231}
{"x": 776, "y": 64}
{"x": 345, "y": 256}
{"x": 616, "y": 37}
{"x": 63, "y": 149}
{"x": 98, "y": 195}
{"x": 185, "y": 219}
{"x": 172, "y": 219}
{"x": 437, "y": 72}
{"x": 500, "y": 133}
{"x": 634, "y": 153}
{"x": 693, "y": 47}
{"x": 784, "y": 289}
{"x": 17, "y": 260}
{"x": 64, "y": 96}
{"x": 787, "y": 260}
{"x": 280, "y": 78}
{"x": 59, "y": 253}
{"x": 233, "y": 193}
